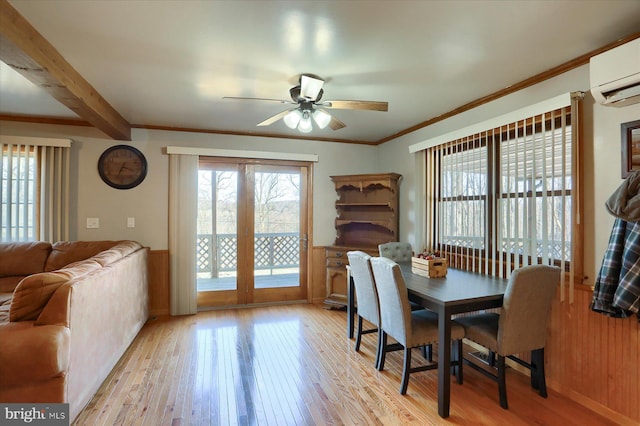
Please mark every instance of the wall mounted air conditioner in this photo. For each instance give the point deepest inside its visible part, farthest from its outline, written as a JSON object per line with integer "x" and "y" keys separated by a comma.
{"x": 615, "y": 75}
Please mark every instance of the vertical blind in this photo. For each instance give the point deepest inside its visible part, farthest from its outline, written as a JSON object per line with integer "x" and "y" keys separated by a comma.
{"x": 508, "y": 196}
{"x": 183, "y": 206}
{"x": 34, "y": 189}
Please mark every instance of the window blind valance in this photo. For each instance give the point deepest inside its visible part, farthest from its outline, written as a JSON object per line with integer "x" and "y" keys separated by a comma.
{"x": 557, "y": 102}
{"x": 29, "y": 141}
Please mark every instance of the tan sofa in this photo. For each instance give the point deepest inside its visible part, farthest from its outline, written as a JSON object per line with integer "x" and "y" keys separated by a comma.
{"x": 68, "y": 312}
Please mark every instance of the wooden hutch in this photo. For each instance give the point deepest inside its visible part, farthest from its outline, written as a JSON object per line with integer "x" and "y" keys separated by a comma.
{"x": 367, "y": 208}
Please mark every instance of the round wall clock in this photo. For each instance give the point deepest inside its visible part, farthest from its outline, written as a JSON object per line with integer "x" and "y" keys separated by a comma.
{"x": 122, "y": 167}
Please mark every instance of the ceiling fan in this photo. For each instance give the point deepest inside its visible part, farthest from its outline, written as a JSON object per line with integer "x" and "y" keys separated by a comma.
{"x": 307, "y": 96}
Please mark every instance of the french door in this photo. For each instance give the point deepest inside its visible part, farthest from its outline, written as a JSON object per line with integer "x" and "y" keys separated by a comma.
{"x": 252, "y": 232}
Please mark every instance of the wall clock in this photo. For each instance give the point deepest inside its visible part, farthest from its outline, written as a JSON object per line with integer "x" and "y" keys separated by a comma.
{"x": 122, "y": 167}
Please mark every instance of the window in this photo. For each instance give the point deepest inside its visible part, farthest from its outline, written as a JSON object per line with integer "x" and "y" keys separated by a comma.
{"x": 506, "y": 197}
{"x": 18, "y": 194}
{"x": 34, "y": 189}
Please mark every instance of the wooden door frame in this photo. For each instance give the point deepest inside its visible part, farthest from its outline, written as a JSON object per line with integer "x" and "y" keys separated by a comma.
{"x": 246, "y": 222}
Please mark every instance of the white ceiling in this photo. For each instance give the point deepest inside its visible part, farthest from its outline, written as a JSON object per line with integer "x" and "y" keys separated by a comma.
{"x": 169, "y": 63}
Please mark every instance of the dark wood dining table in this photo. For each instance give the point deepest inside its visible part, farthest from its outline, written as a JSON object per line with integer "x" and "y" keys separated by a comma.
{"x": 460, "y": 291}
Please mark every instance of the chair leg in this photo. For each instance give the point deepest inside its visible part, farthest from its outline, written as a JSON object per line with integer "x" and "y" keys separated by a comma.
{"x": 383, "y": 349}
{"x": 358, "y": 333}
{"x": 406, "y": 371}
{"x": 502, "y": 385}
{"x": 491, "y": 359}
{"x": 537, "y": 372}
{"x": 427, "y": 352}
{"x": 379, "y": 348}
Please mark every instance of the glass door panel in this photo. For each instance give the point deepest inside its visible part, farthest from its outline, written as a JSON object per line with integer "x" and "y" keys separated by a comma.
{"x": 217, "y": 227}
{"x": 277, "y": 229}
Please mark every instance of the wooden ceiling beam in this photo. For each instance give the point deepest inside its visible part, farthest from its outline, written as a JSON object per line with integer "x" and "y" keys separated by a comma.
{"x": 25, "y": 50}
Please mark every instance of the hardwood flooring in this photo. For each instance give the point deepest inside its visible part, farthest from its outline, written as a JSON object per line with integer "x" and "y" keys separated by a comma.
{"x": 294, "y": 365}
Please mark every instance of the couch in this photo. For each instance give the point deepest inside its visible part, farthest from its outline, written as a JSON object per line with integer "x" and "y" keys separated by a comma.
{"x": 68, "y": 312}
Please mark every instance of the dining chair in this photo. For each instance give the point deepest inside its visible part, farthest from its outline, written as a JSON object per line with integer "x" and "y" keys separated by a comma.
{"x": 396, "y": 251}
{"x": 520, "y": 327}
{"x": 402, "y": 252}
{"x": 367, "y": 296}
{"x": 411, "y": 329}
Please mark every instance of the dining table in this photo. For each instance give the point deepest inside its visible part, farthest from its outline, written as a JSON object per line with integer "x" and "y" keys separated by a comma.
{"x": 458, "y": 292}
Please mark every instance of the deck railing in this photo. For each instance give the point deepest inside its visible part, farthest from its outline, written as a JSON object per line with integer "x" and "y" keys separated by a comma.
{"x": 271, "y": 251}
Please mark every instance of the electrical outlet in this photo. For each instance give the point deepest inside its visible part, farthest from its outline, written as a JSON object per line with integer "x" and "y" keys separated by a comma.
{"x": 93, "y": 222}
{"x": 131, "y": 222}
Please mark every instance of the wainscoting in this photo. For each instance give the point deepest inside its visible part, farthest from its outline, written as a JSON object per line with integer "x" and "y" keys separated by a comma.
{"x": 594, "y": 359}
{"x": 158, "y": 282}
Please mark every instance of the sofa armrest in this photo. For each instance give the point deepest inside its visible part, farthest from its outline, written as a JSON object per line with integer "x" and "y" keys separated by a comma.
{"x": 32, "y": 353}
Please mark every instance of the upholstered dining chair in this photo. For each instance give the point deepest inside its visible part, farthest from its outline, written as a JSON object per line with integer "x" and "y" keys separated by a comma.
{"x": 520, "y": 327}
{"x": 411, "y": 329}
{"x": 402, "y": 252}
{"x": 396, "y": 251}
{"x": 366, "y": 294}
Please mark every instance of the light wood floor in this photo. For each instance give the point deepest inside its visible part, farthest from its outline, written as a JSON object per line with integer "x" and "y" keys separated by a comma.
{"x": 293, "y": 365}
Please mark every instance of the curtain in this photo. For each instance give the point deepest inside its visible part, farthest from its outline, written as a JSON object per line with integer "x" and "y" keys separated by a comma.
{"x": 54, "y": 193}
{"x": 183, "y": 203}
{"x": 34, "y": 189}
{"x": 506, "y": 193}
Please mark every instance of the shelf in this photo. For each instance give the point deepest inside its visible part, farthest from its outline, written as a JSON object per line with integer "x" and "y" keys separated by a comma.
{"x": 356, "y": 205}
{"x": 367, "y": 181}
{"x": 381, "y": 223}
{"x": 367, "y": 208}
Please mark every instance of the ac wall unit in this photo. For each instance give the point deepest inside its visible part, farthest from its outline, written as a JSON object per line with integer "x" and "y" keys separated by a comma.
{"x": 615, "y": 75}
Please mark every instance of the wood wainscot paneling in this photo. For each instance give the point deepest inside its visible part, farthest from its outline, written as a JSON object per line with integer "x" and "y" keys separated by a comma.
{"x": 594, "y": 359}
{"x": 159, "y": 282}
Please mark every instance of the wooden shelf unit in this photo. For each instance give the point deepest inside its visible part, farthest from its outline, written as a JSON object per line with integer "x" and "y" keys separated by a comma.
{"x": 367, "y": 209}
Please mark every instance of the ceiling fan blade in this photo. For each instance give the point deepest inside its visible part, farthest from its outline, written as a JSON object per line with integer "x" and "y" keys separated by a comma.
{"x": 336, "y": 124}
{"x": 310, "y": 87}
{"x": 257, "y": 99}
{"x": 368, "y": 105}
{"x": 274, "y": 118}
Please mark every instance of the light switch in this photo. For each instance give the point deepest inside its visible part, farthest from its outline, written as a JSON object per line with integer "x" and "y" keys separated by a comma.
{"x": 131, "y": 222}
{"x": 93, "y": 222}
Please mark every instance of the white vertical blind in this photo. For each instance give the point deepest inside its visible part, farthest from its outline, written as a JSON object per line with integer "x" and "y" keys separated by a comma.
{"x": 34, "y": 188}
{"x": 54, "y": 193}
{"x": 504, "y": 196}
{"x": 183, "y": 205}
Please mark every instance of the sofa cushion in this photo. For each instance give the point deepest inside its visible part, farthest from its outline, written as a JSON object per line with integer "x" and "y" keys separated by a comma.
{"x": 32, "y": 294}
{"x": 66, "y": 252}
{"x": 4, "y": 313}
{"x": 23, "y": 258}
{"x": 8, "y": 284}
{"x": 5, "y": 297}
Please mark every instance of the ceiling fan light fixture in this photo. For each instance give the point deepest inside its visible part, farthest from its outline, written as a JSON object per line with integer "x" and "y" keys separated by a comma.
{"x": 305, "y": 125}
{"x": 292, "y": 118}
{"x": 322, "y": 118}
